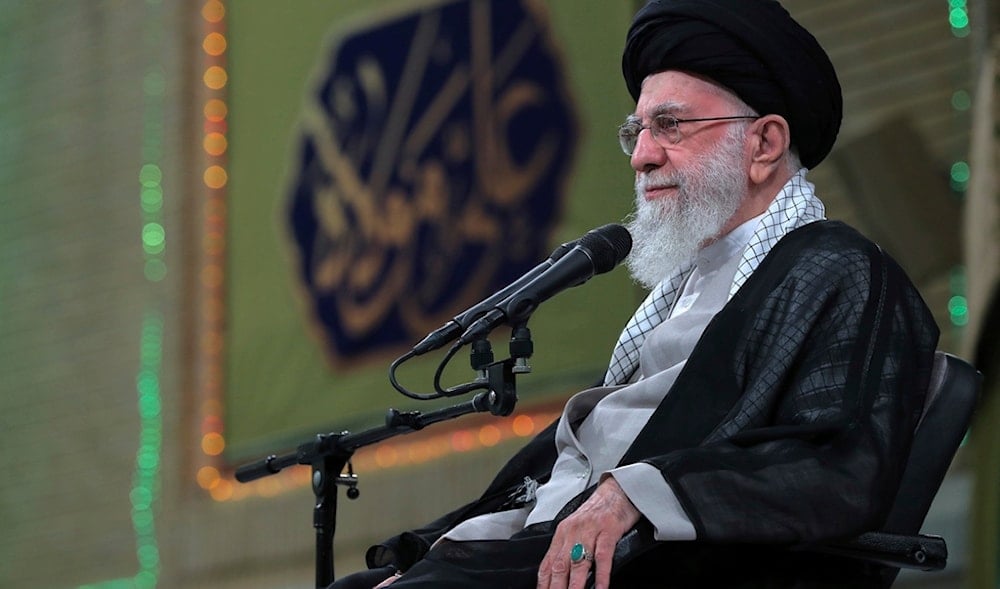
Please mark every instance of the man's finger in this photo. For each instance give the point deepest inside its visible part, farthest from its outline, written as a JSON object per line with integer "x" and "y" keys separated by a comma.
{"x": 388, "y": 581}
{"x": 580, "y": 570}
{"x": 604, "y": 556}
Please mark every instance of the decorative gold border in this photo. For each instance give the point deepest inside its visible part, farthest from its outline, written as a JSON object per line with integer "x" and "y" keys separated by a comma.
{"x": 212, "y": 473}
{"x": 211, "y": 341}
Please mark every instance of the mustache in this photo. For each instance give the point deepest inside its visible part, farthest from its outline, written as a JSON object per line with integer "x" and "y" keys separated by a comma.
{"x": 658, "y": 178}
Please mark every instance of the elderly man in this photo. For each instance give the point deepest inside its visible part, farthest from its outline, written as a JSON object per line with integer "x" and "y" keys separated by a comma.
{"x": 762, "y": 395}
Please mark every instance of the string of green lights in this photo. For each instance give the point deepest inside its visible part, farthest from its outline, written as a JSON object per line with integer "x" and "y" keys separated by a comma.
{"x": 146, "y": 478}
{"x": 961, "y": 101}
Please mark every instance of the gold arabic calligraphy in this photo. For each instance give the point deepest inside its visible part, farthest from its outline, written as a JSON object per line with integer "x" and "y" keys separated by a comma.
{"x": 367, "y": 223}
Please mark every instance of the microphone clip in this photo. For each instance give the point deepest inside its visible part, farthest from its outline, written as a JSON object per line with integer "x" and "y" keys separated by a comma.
{"x": 501, "y": 396}
{"x": 500, "y": 377}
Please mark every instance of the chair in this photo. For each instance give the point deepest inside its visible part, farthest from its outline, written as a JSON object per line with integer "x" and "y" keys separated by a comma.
{"x": 951, "y": 398}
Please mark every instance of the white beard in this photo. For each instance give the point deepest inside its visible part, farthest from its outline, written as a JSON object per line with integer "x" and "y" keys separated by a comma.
{"x": 667, "y": 233}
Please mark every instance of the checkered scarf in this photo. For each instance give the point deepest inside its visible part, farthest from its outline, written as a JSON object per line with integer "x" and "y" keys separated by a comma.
{"x": 795, "y": 206}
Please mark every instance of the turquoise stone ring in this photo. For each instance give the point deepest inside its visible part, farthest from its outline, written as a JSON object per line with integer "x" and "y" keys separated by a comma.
{"x": 578, "y": 554}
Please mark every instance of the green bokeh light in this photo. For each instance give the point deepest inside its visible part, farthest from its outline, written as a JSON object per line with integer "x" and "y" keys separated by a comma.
{"x": 149, "y": 556}
{"x": 960, "y": 172}
{"x": 151, "y": 199}
{"x": 155, "y": 270}
{"x": 956, "y": 280}
{"x": 144, "y": 579}
{"x": 959, "y": 18}
{"x": 141, "y": 498}
{"x": 961, "y": 101}
{"x": 153, "y": 235}
{"x": 154, "y": 83}
{"x": 148, "y": 460}
{"x": 957, "y": 305}
{"x": 150, "y": 175}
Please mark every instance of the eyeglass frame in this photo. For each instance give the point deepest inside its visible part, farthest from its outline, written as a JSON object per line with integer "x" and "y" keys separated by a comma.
{"x": 672, "y": 127}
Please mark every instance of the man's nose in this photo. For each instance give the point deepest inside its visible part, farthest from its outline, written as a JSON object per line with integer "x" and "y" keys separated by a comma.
{"x": 648, "y": 154}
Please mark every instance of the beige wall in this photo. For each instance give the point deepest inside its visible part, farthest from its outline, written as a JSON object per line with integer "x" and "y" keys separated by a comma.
{"x": 73, "y": 296}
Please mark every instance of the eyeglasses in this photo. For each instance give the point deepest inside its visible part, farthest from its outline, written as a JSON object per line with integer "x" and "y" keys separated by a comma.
{"x": 664, "y": 128}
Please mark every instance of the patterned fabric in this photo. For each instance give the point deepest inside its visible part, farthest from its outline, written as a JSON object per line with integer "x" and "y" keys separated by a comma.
{"x": 794, "y": 413}
{"x": 795, "y": 206}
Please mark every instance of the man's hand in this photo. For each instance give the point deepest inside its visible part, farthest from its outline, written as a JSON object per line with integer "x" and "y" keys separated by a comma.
{"x": 388, "y": 581}
{"x": 598, "y": 525}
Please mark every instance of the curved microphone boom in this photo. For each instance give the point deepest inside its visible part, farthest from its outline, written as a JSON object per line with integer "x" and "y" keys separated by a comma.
{"x": 454, "y": 328}
{"x": 597, "y": 252}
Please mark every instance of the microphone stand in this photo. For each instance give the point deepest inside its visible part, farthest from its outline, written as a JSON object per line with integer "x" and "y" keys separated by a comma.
{"x": 328, "y": 454}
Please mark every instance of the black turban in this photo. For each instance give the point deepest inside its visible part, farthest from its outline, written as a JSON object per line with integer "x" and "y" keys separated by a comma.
{"x": 752, "y": 47}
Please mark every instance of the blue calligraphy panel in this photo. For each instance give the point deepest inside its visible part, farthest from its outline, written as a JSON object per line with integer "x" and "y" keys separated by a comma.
{"x": 433, "y": 154}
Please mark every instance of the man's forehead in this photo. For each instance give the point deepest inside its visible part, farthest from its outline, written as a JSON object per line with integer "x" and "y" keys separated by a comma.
{"x": 674, "y": 92}
{"x": 682, "y": 82}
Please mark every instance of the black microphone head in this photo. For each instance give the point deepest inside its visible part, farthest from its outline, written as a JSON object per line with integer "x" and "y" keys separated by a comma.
{"x": 608, "y": 246}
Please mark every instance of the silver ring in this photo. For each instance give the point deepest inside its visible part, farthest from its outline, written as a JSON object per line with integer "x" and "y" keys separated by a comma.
{"x": 578, "y": 554}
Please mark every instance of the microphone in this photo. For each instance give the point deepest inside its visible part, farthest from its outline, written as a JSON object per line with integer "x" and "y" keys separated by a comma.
{"x": 597, "y": 252}
{"x": 452, "y": 329}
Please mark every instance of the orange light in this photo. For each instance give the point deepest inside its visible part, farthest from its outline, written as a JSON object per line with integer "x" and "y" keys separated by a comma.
{"x": 215, "y": 144}
{"x": 214, "y": 243}
{"x": 222, "y": 491}
{"x": 489, "y": 435}
{"x": 211, "y": 276}
{"x": 213, "y": 11}
{"x": 386, "y": 456}
{"x": 364, "y": 460}
{"x": 215, "y": 177}
{"x": 419, "y": 452}
{"x": 300, "y": 475}
{"x": 215, "y": 126}
{"x": 213, "y": 444}
{"x": 215, "y": 209}
{"x": 211, "y": 407}
{"x": 523, "y": 426}
{"x": 211, "y": 423}
{"x": 216, "y": 110}
{"x": 462, "y": 441}
{"x": 215, "y": 77}
{"x": 214, "y": 44}
{"x": 208, "y": 477}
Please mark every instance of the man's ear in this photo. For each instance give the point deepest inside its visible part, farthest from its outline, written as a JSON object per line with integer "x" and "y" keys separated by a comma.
{"x": 772, "y": 141}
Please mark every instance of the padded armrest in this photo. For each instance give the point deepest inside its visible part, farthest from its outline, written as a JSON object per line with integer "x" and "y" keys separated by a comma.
{"x": 919, "y": 551}
{"x": 923, "y": 551}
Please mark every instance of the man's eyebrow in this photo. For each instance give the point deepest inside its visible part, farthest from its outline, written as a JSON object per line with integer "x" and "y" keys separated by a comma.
{"x": 669, "y": 107}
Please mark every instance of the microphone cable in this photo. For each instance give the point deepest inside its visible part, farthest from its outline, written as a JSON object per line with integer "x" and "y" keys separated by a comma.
{"x": 440, "y": 392}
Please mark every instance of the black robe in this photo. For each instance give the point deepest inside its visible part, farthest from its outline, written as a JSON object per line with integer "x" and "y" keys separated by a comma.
{"x": 789, "y": 424}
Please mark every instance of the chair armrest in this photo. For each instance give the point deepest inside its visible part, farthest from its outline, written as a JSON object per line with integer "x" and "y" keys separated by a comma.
{"x": 923, "y": 551}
